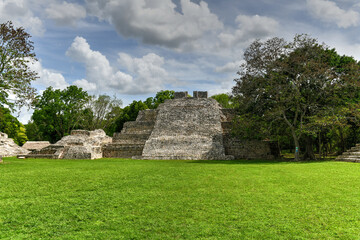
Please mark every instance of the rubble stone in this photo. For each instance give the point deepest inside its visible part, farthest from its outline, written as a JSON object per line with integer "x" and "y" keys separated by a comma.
{"x": 8, "y": 148}
{"x": 81, "y": 144}
{"x": 351, "y": 155}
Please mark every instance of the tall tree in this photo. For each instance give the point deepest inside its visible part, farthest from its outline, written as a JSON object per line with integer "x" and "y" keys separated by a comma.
{"x": 57, "y": 112}
{"x": 12, "y": 127}
{"x": 102, "y": 113}
{"x": 16, "y": 52}
{"x": 293, "y": 81}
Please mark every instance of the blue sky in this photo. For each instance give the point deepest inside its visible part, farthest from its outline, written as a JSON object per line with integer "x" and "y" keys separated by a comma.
{"x": 134, "y": 48}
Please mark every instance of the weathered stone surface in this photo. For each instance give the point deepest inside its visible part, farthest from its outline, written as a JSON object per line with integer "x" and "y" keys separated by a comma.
{"x": 351, "y": 155}
{"x": 35, "y": 145}
{"x": 187, "y": 128}
{"x": 250, "y": 149}
{"x": 8, "y": 148}
{"x": 80, "y": 144}
{"x": 200, "y": 94}
{"x": 180, "y": 95}
{"x": 130, "y": 142}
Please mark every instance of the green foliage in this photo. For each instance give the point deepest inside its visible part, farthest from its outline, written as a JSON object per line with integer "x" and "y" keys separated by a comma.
{"x": 129, "y": 113}
{"x": 16, "y": 52}
{"x": 12, "y": 127}
{"x": 144, "y": 199}
{"x": 57, "y": 112}
{"x": 225, "y": 100}
{"x": 296, "y": 84}
{"x": 102, "y": 113}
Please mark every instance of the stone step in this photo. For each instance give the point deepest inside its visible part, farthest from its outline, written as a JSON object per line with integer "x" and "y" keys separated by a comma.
{"x": 122, "y": 150}
{"x": 355, "y": 149}
{"x": 50, "y": 156}
{"x": 131, "y": 138}
{"x": 348, "y": 159}
{"x": 351, "y": 153}
{"x": 142, "y": 127}
{"x": 130, "y": 147}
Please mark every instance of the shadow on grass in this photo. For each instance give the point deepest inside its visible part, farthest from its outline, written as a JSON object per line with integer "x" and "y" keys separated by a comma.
{"x": 261, "y": 161}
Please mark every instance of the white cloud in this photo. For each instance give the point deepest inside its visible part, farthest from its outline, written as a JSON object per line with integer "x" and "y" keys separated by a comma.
{"x": 249, "y": 28}
{"x": 148, "y": 74}
{"x": 18, "y": 11}
{"x": 48, "y": 77}
{"x": 157, "y": 21}
{"x": 65, "y": 14}
{"x": 85, "y": 85}
{"x": 230, "y": 67}
{"x": 329, "y": 12}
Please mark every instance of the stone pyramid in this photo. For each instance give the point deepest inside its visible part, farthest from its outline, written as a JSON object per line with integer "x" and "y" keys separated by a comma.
{"x": 191, "y": 128}
{"x": 351, "y": 155}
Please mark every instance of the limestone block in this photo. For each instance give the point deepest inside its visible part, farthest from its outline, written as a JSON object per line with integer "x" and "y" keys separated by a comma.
{"x": 80, "y": 144}
{"x": 8, "y": 148}
{"x": 35, "y": 145}
{"x": 180, "y": 95}
{"x": 200, "y": 94}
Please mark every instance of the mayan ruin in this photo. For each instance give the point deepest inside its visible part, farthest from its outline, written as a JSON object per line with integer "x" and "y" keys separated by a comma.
{"x": 81, "y": 144}
{"x": 192, "y": 128}
{"x": 9, "y": 148}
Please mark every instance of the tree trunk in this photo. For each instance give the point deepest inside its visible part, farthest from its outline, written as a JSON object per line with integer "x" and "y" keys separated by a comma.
{"x": 320, "y": 149}
{"x": 309, "y": 151}
{"x": 297, "y": 147}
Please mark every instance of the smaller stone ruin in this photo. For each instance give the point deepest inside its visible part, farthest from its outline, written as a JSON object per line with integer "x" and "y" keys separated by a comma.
{"x": 8, "y": 148}
{"x": 351, "y": 155}
{"x": 35, "y": 145}
{"x": 81, "y": 144}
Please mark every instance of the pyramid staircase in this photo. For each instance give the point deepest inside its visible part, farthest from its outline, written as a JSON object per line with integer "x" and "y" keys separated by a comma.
{"x": 351, "y": 155}
{"x": 131, "y": 140}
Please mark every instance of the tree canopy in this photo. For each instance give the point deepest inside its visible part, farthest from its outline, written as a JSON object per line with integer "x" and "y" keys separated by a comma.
{"x": 12, "y": 127}
{"x": 129, "y": 113}
{"x": 16, "y": 52}
{"x": 287, "y": 85}
{"x": 57, "y": 112}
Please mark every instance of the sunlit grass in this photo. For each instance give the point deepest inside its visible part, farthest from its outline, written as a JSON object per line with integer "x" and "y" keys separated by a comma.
{"x": 145, "y": 199}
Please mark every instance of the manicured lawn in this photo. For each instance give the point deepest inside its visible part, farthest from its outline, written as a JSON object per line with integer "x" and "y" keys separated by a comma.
{"x": 143, "y": 199}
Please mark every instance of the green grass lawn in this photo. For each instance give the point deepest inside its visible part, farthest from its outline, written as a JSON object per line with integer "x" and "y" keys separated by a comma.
{"x": 145, "y": 199}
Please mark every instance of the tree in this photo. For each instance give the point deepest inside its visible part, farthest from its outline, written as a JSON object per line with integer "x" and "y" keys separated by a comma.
{"x": 129, "y": 113}
{"x": 225, "y": 100}
{"x": 16, "y": 52}
{"x": 102, "y": 113}
{"x": 290, "y": 82}
{"x": 57, "y": 112}
{"x": 12, "y": 127}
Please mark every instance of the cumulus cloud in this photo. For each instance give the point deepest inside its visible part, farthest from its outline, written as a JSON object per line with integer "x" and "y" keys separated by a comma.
{"x": 147, "y": 73}
{"x": 230, "y": 67}
{"x": 85, "y": 85}
{"x": 65, "y": 14}
{"x": 329, "y": 12}
{"x": 249, "y": 28}
{"x": 157, "y": 21}
{"x": 48, "y": 77}
{"x": 18, "y": 11}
